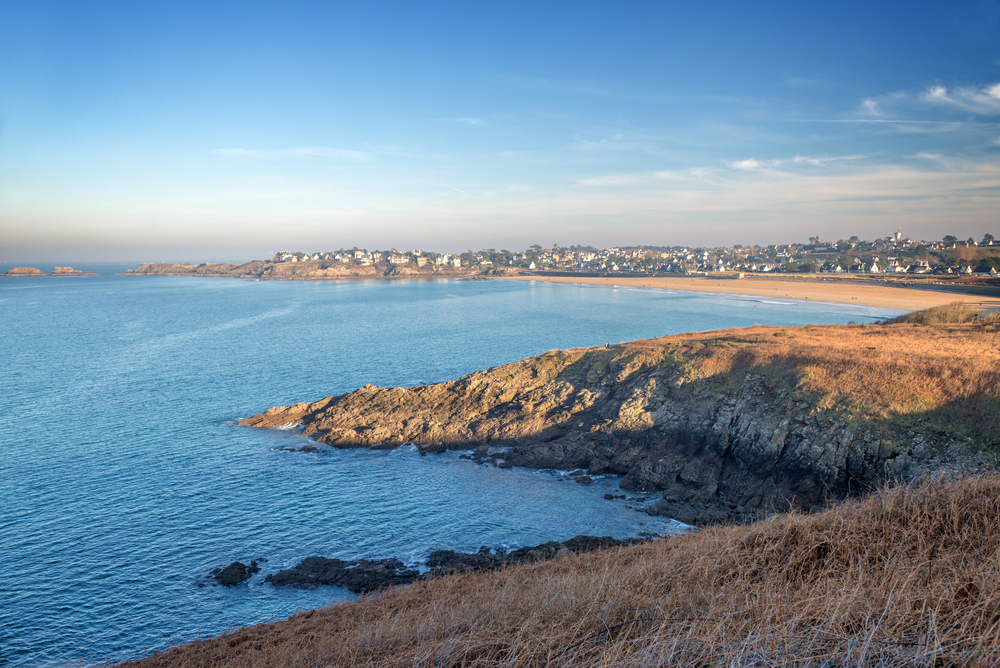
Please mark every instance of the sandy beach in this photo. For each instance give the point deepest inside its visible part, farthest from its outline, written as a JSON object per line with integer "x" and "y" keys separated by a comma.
{"x": 844, "y": 291}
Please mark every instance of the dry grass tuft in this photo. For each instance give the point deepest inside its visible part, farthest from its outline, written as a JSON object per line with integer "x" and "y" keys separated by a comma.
{"x": 905, "y": 577}
{"x": 940, "y": 381}
{"x": 940, "y": 315}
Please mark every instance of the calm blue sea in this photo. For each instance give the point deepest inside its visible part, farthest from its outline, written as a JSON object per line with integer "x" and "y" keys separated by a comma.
{"x": 124, "y": 478}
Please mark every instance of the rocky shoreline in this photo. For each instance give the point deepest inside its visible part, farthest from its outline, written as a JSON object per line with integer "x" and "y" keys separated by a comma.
{"x": 729, "y": 426}
{"x": 368, "y": 575}
{"x": 309, "y": 270}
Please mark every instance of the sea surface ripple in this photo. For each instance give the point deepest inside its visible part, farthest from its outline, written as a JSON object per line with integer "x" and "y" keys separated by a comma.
{"x": 124, "y": 479}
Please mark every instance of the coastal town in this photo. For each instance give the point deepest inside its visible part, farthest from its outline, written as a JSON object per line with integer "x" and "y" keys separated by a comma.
{"x": 893, "y": 254}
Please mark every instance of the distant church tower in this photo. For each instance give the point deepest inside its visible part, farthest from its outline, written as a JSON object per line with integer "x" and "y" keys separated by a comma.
{"x": 897, "y": 236}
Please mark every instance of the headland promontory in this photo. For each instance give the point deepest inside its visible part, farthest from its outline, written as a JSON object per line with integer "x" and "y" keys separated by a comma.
{"x": 729, "y": 425}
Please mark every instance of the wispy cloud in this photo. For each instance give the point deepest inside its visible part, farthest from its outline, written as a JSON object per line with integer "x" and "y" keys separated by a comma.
{"x": 466, "y": 120}
{"x": 984, "y": 101}
{"x": 611, "y": 180}
{"x": 459, "y": 190}
{"x": 749, "y": 163}
{"x": 307, "y": 151}
{"x": 901, "y": 106}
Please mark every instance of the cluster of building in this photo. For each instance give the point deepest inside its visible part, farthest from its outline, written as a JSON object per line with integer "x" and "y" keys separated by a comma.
{"x": 363, "y": 258}
{"x": 893, "y": 254}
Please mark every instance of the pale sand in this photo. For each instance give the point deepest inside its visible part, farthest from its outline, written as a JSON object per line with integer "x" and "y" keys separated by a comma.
{"x": 844, "y": 291}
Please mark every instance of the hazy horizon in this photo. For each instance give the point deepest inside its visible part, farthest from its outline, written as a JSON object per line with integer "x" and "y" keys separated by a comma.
{"x": 226, "y": 132}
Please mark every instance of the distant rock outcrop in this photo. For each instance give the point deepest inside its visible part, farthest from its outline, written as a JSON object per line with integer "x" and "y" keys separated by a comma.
{"x": 24, "y": 271}
{"x": 728, "y": 425}
{"x": 70, "y": 271}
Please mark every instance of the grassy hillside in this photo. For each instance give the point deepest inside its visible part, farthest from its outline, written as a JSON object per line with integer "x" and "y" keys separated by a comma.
{"x": 905, "y": 577}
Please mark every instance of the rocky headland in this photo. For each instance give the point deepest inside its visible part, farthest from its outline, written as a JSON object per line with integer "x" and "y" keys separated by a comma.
{"x": 309, "y": 270}
{"x": 729, "y": 425}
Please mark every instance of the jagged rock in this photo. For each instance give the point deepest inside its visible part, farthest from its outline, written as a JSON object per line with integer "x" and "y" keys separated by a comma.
{"x": 358, "y": 576}
{"x": 364, "y": 576}
{"x": 723, "y": 447}
{"x": 235, "y": 573}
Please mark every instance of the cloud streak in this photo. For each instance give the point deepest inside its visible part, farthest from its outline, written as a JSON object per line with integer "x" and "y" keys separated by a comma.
{"x": 302, "y": 152}
{"x": 983, "y": 101}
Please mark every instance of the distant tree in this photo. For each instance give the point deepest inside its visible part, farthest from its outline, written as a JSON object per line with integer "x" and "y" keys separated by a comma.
{"x": 535, "y": 248}
{"x": 987, "y": 263}
{"x": 950, "y": 239}
{"x": 810, "y": 267}
{"x": 854, "y": 239}
{"x": 987, "y": 240}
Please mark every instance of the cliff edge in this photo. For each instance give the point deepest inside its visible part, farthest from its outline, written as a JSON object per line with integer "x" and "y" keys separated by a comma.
{"x": 727, "y": 424}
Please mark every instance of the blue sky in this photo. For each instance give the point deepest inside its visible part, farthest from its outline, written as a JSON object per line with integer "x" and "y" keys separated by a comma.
{"x": 226, "y": 131}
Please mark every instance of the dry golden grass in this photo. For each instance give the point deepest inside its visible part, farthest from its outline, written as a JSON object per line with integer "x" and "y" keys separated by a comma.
{"x": 905, "y": 577}
{"x": 946, "y": 376}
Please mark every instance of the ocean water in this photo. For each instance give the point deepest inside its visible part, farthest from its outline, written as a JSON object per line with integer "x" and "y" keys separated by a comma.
{"x": 124, "y": 479}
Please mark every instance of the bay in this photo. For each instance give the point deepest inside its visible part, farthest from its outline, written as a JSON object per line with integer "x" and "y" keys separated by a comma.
{"x": 124, "y": 478}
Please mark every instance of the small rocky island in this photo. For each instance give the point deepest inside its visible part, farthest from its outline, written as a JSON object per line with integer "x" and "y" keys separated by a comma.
{"x": 24, "y": 271}
{"x": 70, "y": 271}
{"x": 58, "y": 271}
{"x": 729, "y": 425}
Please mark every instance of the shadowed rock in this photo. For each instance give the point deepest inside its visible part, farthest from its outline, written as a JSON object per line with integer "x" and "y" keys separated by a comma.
{"x": 727, "y": 425}
{"x": 235, "y": 573}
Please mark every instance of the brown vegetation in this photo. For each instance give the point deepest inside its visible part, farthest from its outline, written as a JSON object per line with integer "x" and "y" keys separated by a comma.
{"x": 941, "y": 381}
{"x": 905, "y": 577}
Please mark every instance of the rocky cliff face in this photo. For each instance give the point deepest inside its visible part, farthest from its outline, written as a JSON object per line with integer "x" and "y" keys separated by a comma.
{"x": 727, "y": 425}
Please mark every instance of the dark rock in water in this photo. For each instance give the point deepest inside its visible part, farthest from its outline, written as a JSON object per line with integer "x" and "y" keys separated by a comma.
{"x": 585, "y": 480}
{"x": 504, "y": 464}
{"x": 444, "y": 562}
{"x": 366, "y": 576}
{"x": 358, "y": 576}
{"x": 609, "y": 497}
{"x": 234, "y": 573}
